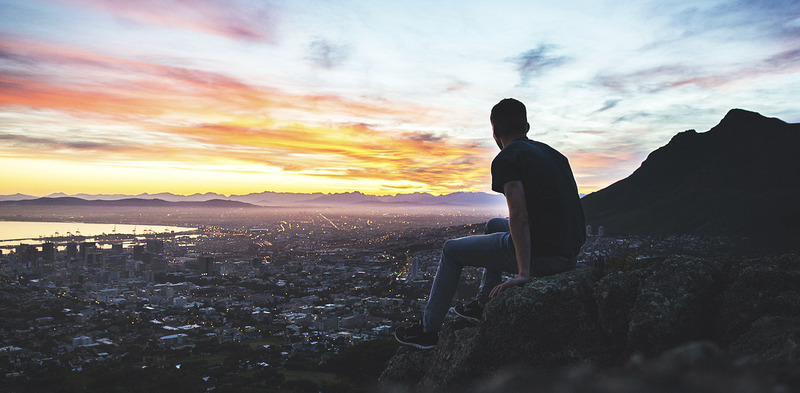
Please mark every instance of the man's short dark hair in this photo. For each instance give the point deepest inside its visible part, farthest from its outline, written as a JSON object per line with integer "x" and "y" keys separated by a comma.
{"x": 509, "y": 117}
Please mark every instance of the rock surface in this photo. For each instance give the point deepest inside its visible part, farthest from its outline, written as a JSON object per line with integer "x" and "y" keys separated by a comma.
{"x": 680, "y": 324}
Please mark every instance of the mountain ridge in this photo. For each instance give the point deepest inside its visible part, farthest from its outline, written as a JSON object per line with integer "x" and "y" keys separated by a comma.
{"x": 738, "y": 178}
{"x": 127, "y": 202}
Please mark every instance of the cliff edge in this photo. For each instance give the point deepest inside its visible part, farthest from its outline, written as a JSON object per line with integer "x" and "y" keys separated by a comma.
{"x": 680, "y": 324}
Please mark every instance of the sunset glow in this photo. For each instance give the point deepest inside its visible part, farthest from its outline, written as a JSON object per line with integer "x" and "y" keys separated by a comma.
{"x": 378, "y": 97}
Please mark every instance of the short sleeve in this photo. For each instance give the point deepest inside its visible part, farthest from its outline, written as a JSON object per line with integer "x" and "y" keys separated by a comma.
{"x": 504, "y": 170}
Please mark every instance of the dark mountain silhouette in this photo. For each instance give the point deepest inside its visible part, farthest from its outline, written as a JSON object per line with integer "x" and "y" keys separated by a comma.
{"x": 740, "y": 178}
{"x": 129, "y": 202}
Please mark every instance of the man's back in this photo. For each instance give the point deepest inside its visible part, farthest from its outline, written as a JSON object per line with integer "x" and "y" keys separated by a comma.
{"x": 554, "y": 208}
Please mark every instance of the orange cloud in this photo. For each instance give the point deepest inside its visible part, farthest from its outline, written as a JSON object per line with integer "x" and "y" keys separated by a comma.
{"x": 348, "y": 152}
{"x": 595, "y": 170}
{"x": 195, "y": 116}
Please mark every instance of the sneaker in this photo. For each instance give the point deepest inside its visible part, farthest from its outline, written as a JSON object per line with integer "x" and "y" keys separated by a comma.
{"x": 416, "y": 337}
{"x": 472, "y": 311}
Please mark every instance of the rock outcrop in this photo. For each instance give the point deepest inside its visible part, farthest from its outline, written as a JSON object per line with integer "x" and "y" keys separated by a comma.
{"x": 624, "y": 330}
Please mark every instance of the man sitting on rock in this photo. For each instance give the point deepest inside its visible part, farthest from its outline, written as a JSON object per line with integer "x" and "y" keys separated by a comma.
{"x": 543, "y": 234}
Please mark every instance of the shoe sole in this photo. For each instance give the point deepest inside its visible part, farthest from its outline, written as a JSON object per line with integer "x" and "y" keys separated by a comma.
{"x": 467, "y": 317}
{"x": 415, "y": 345}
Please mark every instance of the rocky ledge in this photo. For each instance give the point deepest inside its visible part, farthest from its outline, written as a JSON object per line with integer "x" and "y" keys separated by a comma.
{"x": 680, "y": 324}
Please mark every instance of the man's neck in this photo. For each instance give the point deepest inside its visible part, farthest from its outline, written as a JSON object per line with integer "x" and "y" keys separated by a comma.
{"x": 511, "y": 138}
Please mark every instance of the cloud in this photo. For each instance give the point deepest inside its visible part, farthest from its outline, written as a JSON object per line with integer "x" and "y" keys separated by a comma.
{"x": 782, "y": 62}
{"x": 324, "y": 54}
{"x": 774, "y": 18}
{"x": 786, "y": 60}
{"x": 595, "y": 169}
{"x": 589, "y": 132}
{"x": 233, "y": 19}
{"x": 650, "y": 80}
{"x": 122, "y": 87}
{"x": 608, "y": 105}
{"x": 196, "y": 116}
{"x": 423, "y": 136}
{"x": 657, "y": 79}
{"x": 25, "y": 145}
{"x": 347, "y": 152}
{"x": 535, "y": 61}
{"x": 456, "y": 85}
{"x": 701, "y": 45}
{"x": 725, "y": 22}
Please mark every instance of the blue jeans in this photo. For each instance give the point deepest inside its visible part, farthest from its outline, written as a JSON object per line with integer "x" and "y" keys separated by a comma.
{"x": 494, "y": 252}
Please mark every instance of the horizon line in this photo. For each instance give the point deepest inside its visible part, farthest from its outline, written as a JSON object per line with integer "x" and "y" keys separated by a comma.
{"x": 64, "y": 194}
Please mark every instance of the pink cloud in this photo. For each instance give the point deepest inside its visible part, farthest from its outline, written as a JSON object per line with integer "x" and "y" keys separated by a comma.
{"x": 666, "y": 77}
{"x": 224, "y": 18}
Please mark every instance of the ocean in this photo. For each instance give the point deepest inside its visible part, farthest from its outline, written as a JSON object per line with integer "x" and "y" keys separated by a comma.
{"x": 27, "y": 232}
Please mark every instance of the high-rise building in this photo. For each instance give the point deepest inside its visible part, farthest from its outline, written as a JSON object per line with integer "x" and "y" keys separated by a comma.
{"x": 206, "y": 265}
{"x": 588, "y": 230}
{"x": 72, "y": 251}
{"x": 49, "y": 252}
{"x": 138, "y": 252}
{"x": 156, "y": 246}
{"x": 114, "y": 262}
{"x": 95, "y": 260}
{"x": 157, "y": 263}
{"x": 27, "y": 255}
{"x": 85, "y": 249}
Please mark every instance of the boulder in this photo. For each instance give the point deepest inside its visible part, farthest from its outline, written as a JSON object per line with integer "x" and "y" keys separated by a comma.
{"x": 693, "y": 367}
{"x": 616, "y": 295}
{"x": 573, "y": 329}
{"x": 768, "y": 286}
{"x": 550, "y": 322}
{"x": 676, "y": 303}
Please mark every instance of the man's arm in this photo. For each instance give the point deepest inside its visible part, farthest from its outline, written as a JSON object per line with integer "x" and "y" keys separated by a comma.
{"x": 520, "y": 234}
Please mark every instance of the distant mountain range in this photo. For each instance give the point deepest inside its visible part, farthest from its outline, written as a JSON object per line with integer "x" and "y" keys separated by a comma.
{"x": 742, "y": 177}
{"x": 273, "y": 199}
{"x": 128, "y": 202}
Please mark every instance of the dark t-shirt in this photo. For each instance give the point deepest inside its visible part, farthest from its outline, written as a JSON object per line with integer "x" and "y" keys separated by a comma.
{"x": 555, "y": 213}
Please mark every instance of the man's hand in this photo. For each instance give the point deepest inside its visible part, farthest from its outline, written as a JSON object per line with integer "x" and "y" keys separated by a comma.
{"x": 518, "y": 280}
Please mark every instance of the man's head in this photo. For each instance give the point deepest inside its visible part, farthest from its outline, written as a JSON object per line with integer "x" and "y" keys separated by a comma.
{"x": 509, "y": 120}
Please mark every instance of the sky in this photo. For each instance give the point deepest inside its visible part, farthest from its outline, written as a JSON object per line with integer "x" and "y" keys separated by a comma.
{"x": 381, "y": 97}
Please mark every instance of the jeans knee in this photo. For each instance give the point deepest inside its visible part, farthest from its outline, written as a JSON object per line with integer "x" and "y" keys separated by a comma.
{"x": 495, "y": 225}
{"x": 448, "y": 246}
{"x": 450, "y": 253}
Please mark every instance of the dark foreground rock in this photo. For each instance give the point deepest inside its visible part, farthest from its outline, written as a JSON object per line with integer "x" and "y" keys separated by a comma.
{"x": 680, "y": 324}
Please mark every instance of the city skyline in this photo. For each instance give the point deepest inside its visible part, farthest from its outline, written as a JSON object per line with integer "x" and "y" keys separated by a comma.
{"x": 112, "y": 97}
